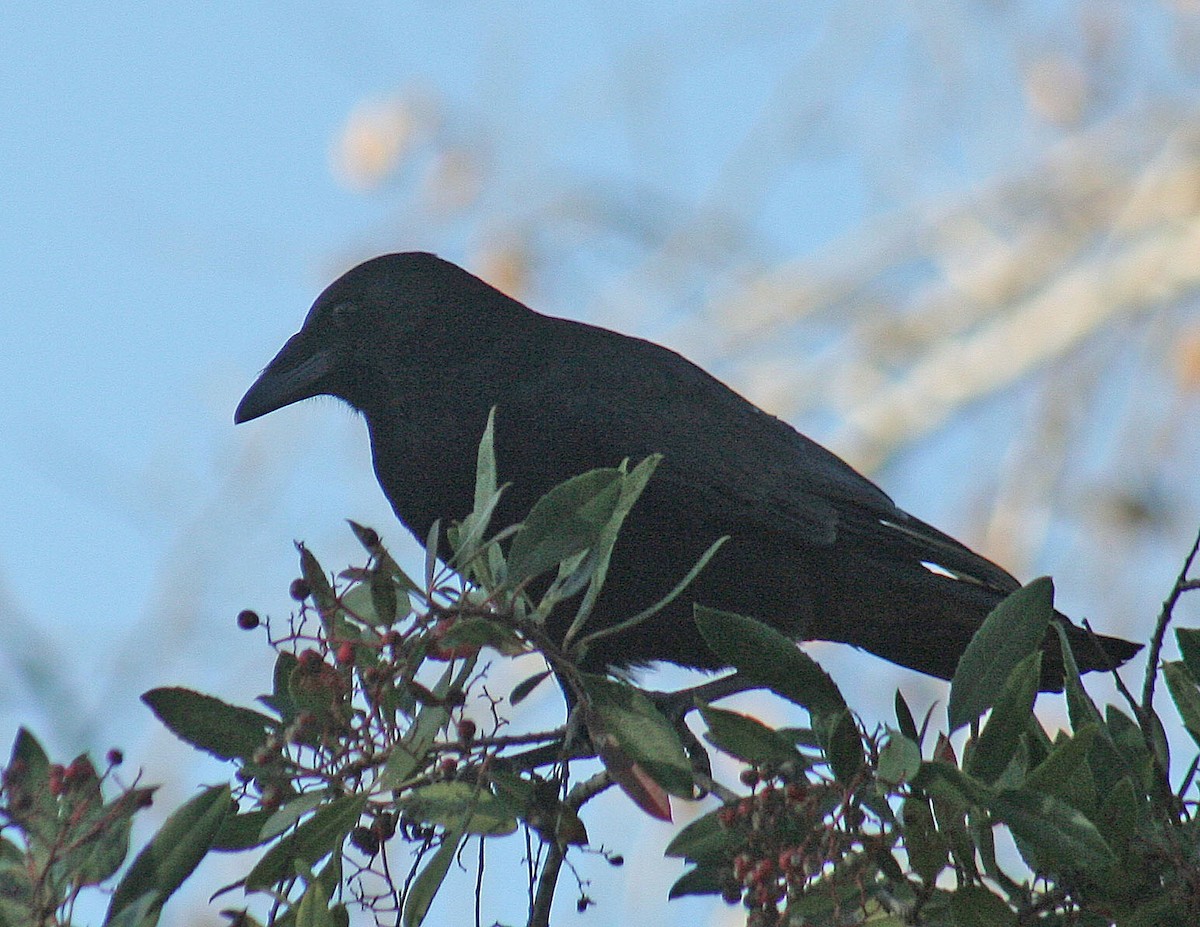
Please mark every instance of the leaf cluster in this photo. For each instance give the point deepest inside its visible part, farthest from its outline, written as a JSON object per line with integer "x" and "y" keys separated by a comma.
{"x": 382, "y": 747}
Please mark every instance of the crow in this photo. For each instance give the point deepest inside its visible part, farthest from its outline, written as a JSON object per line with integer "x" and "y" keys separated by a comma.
{"x": 424, "y": 350}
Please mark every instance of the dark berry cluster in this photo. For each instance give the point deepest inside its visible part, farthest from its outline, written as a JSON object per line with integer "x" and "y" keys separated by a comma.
{"x": 791, "y": 833}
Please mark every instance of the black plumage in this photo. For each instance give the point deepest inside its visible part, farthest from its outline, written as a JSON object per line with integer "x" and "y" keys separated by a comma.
{"x": 424, "y": 350}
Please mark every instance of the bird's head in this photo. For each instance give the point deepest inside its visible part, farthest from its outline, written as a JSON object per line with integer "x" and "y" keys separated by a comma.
{"x": 380, "y": 315}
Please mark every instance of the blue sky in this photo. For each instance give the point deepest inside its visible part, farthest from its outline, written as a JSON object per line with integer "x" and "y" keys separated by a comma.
{"x": 168, "y": 212}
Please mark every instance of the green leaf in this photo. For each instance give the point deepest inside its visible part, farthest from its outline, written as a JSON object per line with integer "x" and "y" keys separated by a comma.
{"x": 480, "y": 632}
{"x": 425, "y": 886}
{"x": 952, "y": 793}
{"x": 523, "y": 688}
{"x": 570, "y": 518}
{"x": 432, "y": 545}
{"x": 280, "y": 699}
{"x": 926, "y": 847}
{"x": 27, "y": 779}
{"x": 1127, "y": 737}
{"x": 313, "y": 910}
{"x": 1008, "y": 721}
{"x": 473, "y": 528}
{"x": 904, "y": 719}
{"x": 899, "y": 760}
{"x": 286, "y": 816}
{"x": 1065, "y": 772}
{"x": 141, "y": 912}
{"x": 747, "y": 738}
{"x": 321, "y": 591}
{"x": 367, "y": 537}
{"x": 1189, "y": 648}
{"x": 383, "y": 597}
{"x": 633, "y": 484}
{"x": 945, "y": 781}
{"x": 975, "y": 906}
{"x": 1120, "y": 813}
{"x": 226, "y": 731}
{"x": 702, "y": 880}
{"x": 537, "y": 803}
{"x": 411, "y": 753}
{"x": 485, "y": 464}
{"x": 620, "y": 711}
{"x": 1182, "y": 686}
{"x": 460, "y": 806}
{"x": 242, "y": 831}
{"x": 1037, "y": 740}
{"x": 384, "y": 563}
{"x": 843, "y": 746}
{"x": 1059, "y": 838}
{"x": 175, "y": 851}
{"x": 102, "y": 856}
{"x": 359, "y": 604}
{"x": 311, "y": 841}
{"x": 28, "y": 763}
{"x": 1080, "y": 707}
{"x": 1014, "y": 629}
{"x": 658, "y": 606}
{"x": 770, "y": 659}
{"x": 704, "y": 840}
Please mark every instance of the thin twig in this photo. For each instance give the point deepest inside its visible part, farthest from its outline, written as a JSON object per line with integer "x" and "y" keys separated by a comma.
{"x": 539, "y": 912}
{"x": 1182, "y": 584}
{"x": 583, "y": 792}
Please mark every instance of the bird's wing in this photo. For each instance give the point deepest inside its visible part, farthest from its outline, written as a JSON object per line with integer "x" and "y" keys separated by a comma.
{"x": 736, "y": 459}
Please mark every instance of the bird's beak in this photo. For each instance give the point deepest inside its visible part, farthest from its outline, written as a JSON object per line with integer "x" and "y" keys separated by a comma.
{"x": 296, "y": 373}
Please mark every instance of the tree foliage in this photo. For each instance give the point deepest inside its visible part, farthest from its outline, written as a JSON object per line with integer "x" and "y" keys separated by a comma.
{"x": 360, "y": 778}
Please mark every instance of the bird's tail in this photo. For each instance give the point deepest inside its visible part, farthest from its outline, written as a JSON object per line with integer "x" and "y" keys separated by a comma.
{"x": 925, "y": 622}
{"x": 1092, "y": 652}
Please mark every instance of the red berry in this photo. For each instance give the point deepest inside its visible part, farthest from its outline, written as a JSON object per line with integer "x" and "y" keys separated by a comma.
{"x": 466, "y": 730}
{"x": 749, "y": 777}
{"x": 247, "y": 620}
{"x": 299, "y": 590}
{"x": 310, "y": 659}
{"x": 115, "y": 757}
{"x": 345, "y": 653}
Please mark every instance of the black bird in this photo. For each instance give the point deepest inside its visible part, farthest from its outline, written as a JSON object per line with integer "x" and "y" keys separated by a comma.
{"x": 424, "y": 350}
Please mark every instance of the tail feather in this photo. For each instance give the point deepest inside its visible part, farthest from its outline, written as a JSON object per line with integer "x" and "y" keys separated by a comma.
{"x": 1092, "y": 652}
{"x": 925, "y": 621}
